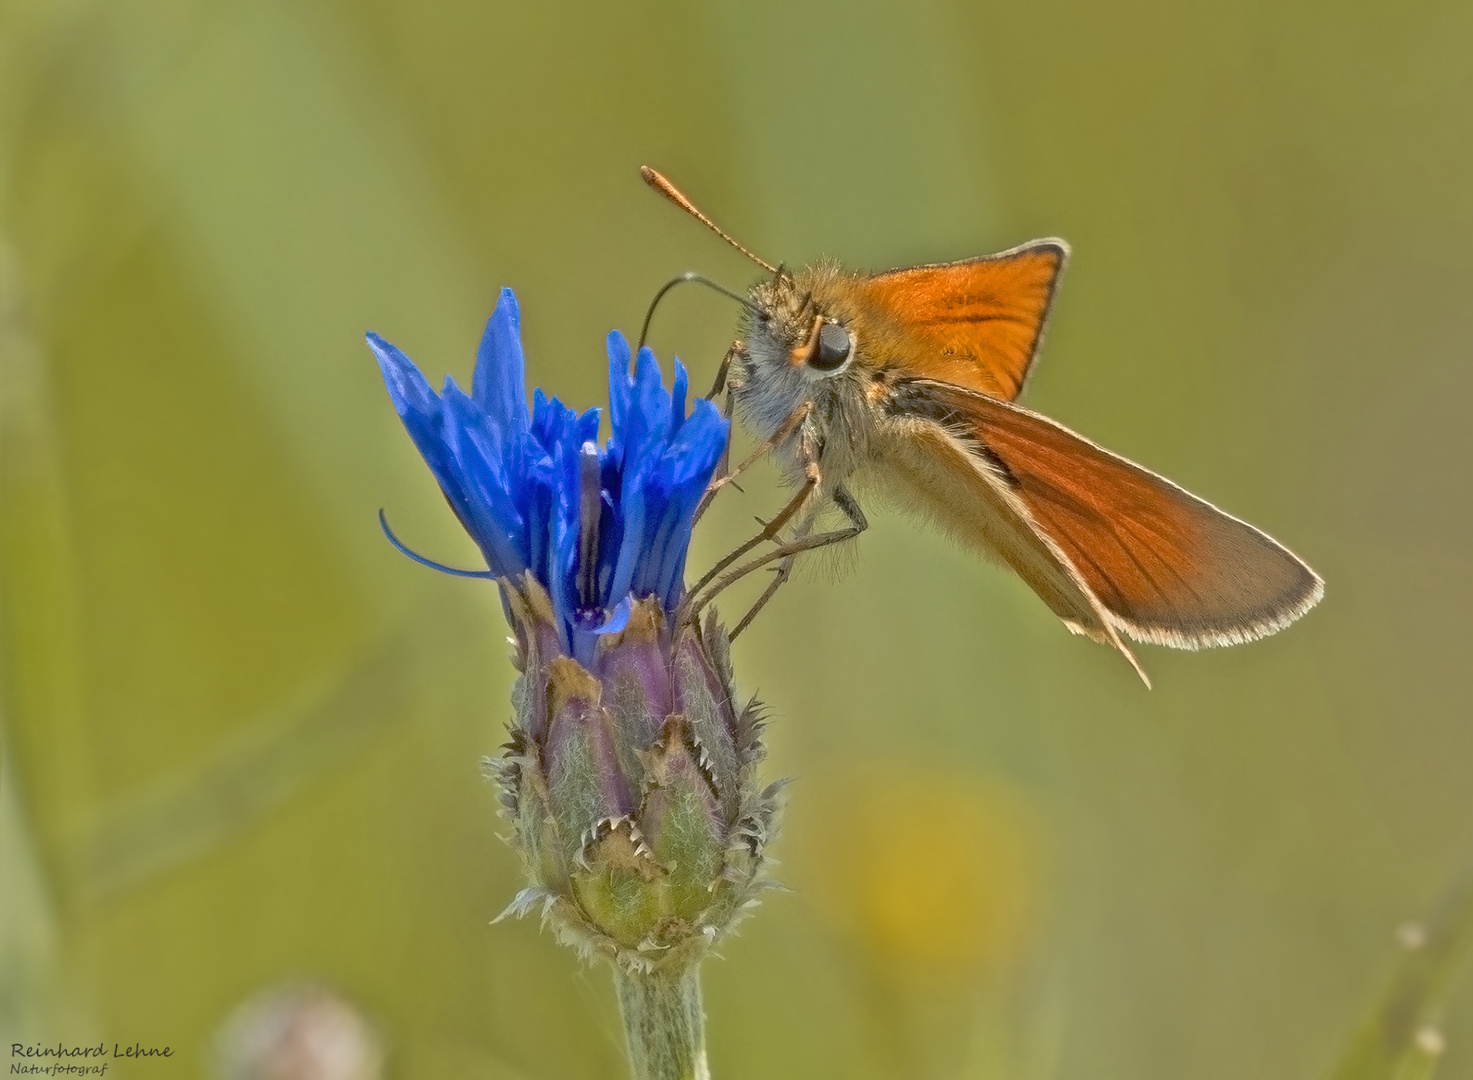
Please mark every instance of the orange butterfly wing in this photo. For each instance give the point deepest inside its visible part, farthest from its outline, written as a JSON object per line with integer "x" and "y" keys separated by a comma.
{"x": 1168, "y": 567}
{"x": 981, "y": 318}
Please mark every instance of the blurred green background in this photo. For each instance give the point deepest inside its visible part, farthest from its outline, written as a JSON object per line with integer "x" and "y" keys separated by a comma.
{"x": 241, "y": 734}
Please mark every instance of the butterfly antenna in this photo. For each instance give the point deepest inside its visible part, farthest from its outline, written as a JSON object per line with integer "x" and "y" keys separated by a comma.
{"x": 673, "y": 193}
{"x": 691, "y": 275}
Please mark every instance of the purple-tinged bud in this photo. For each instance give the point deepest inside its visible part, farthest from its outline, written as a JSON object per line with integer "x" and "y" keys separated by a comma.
{"x": 632, "y": 786}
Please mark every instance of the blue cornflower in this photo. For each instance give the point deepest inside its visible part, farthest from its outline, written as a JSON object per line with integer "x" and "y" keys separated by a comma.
{"x": 630, "y": 772}
{"x": 597, "y": 527}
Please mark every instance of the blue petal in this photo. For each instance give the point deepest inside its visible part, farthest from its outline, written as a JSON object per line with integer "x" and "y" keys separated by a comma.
{"x": 620, "y": 385}
{"x": 652, "y": 401}
{"x": 677, "y": 398}
{"x": 499, "y": 384}
{"x": 632, "y": 515}
{"x": 416, "y": 404}
{"x": 562, "y": 579}
{"x": 487, "y": 499}
{"x": 697, "y": 447}
{"x": 556, "y": 430}
{"x": 423, "y": 417}
{"x": 586, "y": 429}
{"x": 618, "y": 618}
{"x": 477, "y": 460}
{"x": 409, "y": 389}
{"x": 552, "y": 421}
{"x": 541, "y": 495}
{"x": 690, "y": 461}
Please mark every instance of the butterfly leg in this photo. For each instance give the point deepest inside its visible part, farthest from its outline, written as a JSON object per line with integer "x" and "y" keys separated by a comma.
{"x": 775, "y": 439}
{"x": 769, "y": 531}
{"x": 857, "y": 524}
{"x": 735, "y": 349}
{"x": 723, "y": 465}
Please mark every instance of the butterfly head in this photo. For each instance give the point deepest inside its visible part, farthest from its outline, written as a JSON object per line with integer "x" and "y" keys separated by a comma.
{"x": 807, "y": 332}
{"x": 811, "y": 345}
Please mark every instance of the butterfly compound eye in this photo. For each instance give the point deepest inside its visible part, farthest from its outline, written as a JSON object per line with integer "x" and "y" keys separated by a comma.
{"x": 831, "y": 349}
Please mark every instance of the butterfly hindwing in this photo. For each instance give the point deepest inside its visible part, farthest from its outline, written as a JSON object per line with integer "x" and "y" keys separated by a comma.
{"x": 1170, "y": 568}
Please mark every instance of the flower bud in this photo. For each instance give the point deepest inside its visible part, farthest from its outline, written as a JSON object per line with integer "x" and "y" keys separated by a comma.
{"x": 632, "y": 786}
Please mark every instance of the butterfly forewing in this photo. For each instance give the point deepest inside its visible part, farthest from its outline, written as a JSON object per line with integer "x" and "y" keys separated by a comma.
{"x": 981, "y": 320}
{"x": 1169, "y": 567}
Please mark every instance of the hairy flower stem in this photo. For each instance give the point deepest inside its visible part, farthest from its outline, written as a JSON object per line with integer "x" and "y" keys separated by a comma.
{"x": 664, "y": 1023}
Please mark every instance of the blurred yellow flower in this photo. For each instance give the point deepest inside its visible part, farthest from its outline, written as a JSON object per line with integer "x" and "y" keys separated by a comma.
{"x": 930, "y": 871}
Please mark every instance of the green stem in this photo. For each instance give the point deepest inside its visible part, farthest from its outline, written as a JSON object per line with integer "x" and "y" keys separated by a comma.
{"x": 664, "y": 1023}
